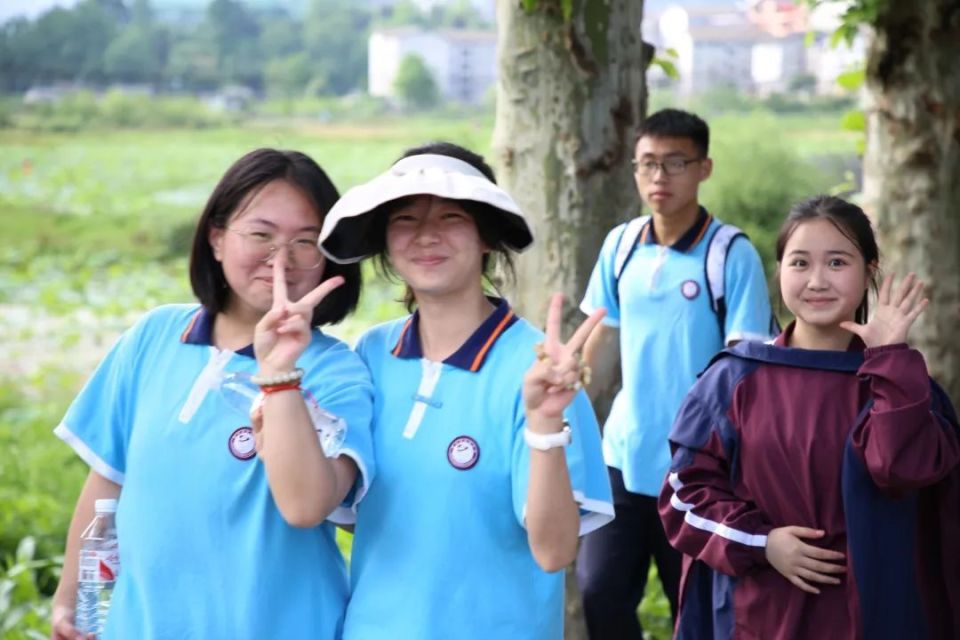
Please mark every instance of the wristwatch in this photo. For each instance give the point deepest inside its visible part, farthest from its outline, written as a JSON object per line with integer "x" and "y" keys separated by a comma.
{"x": 547, "y": 441}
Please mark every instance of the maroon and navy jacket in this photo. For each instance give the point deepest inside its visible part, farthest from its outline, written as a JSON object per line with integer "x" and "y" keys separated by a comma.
{"x": 861, "y": 444}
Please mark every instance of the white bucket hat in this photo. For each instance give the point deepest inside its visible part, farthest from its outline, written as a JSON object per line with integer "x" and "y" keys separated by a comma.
{"x": 345, "y": 236}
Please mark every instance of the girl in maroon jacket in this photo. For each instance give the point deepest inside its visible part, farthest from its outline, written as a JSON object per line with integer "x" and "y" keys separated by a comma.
{"x": 815, "y": 483}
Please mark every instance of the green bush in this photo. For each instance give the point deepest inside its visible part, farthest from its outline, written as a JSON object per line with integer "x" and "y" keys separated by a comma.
{"x": 42, "y": 476}
{"x": 414, "y": 84}
{"x": 351, "y": 108}
{"x": 119, "y": 110}
{"x": 756, "y": 177}
{"x": 178, "y": 241}
{"x": 786, "y": 103}
{"x": 24, "y": 609}
{"x": 654, "y": 611}
{"x": 7, "y": 109}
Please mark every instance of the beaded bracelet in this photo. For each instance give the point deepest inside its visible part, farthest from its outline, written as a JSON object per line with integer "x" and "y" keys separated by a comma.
{"x": 278, "y": 379}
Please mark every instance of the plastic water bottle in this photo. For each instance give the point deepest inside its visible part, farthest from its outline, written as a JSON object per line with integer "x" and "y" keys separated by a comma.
{"x": 244, "y": 396}
{"x": 98, "y": 569}
{"x": 332, "y": 428}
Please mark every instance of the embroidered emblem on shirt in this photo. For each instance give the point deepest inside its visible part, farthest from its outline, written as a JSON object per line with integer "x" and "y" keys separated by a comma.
{"x": 689, "y": 289}
{"x": 463, "y": 453}
{"x": 242, "y": 444}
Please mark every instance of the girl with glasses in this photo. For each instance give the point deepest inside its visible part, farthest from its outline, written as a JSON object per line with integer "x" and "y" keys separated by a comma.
{"x": 225, "y": 520}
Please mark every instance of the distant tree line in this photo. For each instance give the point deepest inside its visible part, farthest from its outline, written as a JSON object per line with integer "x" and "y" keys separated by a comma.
{"x": 104, "y": 42}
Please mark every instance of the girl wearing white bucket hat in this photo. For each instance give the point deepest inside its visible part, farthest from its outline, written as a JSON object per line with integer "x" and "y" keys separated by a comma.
{"x": 488, "y": 450}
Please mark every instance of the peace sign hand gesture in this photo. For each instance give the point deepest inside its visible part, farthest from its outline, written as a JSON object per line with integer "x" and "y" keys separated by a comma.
{"x": 558, "y": 372}
{"x": 284, "y": 331}
{"x": 895, "y": 314}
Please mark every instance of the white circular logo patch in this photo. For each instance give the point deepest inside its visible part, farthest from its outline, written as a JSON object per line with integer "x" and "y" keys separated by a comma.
{"x": 242, "y": 444}
{"x": 463, "y": 453}
{"x": 689, "y": 289}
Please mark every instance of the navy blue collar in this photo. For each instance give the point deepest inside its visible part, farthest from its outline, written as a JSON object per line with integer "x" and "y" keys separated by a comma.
{"x": 200, "y": 331}
{"x": 778, "y": 353}
{"x": 473, "y": 353}
{"x": 690, "y": 237}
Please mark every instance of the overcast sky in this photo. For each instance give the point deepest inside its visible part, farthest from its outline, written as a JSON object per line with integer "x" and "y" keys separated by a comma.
{"x": 29, "y": 8}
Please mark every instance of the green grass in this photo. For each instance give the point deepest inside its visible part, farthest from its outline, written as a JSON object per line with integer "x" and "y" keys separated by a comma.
{"x": 129, "y": 189}
{"x": 654, "y": 611}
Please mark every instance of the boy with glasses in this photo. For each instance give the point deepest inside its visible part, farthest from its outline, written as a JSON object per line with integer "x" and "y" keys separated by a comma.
{"x": 663, "y": 325}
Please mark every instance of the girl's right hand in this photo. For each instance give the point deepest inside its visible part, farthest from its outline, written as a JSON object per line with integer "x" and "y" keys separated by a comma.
{"x": 802, "y": 563}
{"x": 62, "y": 625}
{"x": 284, "y": 332}
{"x": 558, "y": 372}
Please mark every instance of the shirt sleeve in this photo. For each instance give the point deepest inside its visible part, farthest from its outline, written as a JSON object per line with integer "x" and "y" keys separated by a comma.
{"x": 585, "y": 466}
{"x": 340, "y": 384}
{"x": 749, "y": 316}
{"x": 702, "y": 515}
{"x": 909, "y": 438}
{"x": 99, "y": 422}
{"x": 602, "y": 287}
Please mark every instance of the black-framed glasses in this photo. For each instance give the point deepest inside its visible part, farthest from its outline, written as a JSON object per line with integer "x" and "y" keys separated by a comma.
{"x": 670, "y": 166}
{"x": 304, "y": 252}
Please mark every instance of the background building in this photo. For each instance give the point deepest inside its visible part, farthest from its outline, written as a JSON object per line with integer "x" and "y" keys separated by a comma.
{"x": 463, "y": 62}
{"x": 756, "y": 47}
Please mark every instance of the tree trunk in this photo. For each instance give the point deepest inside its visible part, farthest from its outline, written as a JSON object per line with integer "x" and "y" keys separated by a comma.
{"x": 571, "y": 95}
{"x": 912, "y": 165}
{"x": 570, "y": 98}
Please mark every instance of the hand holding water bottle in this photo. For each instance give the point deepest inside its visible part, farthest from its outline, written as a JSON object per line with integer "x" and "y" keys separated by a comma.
{"x": 63, "y": 627}
{"x": 97, "y": 572}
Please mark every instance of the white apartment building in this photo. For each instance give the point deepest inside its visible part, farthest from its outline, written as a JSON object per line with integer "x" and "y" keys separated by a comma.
{"x": 463, "y": 62}
{"x": 756, "y": 47}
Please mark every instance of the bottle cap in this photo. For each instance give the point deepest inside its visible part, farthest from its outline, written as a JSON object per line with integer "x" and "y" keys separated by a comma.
{"x": 105, "y": 506}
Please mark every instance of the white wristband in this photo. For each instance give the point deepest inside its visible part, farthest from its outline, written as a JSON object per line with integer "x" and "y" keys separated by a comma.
{"x": 547, "y": 441}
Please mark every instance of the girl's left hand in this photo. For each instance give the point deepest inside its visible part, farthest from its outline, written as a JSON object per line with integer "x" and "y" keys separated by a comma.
{"x": 895, "y": 314}
{"x": 555, "y": 376}
{"x": 284, "y": 331}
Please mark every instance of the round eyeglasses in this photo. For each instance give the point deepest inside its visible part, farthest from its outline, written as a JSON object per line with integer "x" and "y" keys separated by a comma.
{"x": 670, "y": 166}
{"x": 303, "y": 252}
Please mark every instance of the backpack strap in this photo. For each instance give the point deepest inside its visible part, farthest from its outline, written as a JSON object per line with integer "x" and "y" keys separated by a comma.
{"x": 718, "y": 246}
{"x": 627, "y": 243}
{"x": 715, "y": 265}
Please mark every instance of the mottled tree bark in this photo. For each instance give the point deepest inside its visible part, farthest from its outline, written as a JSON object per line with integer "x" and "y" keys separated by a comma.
{"x": 571, "y": 95}
{"x": 570, "y": 98}
{"x": 912, "y": 165}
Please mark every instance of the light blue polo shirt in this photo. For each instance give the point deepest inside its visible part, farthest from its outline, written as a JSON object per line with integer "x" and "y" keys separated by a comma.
{"x": 440, "y": 550}
{"x": 668, "y": 333}
{"x": 204, "y": 551}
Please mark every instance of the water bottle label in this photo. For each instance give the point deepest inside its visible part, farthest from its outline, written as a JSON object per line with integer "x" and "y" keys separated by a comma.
{"x": 98, "y": 566}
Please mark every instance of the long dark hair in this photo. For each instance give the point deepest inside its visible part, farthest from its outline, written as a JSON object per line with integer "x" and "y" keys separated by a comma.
{"x": 241, "y": 182}
{"x": 850, "y": 220}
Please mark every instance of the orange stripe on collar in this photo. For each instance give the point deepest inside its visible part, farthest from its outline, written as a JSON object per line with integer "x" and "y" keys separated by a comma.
{"x": 478, "y": 361}
{"x": 193, "y": 321}
{"x": 403, "y": 332}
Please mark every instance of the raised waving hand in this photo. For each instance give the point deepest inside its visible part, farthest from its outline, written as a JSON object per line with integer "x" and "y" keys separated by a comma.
{"x": 894, "y": 315}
